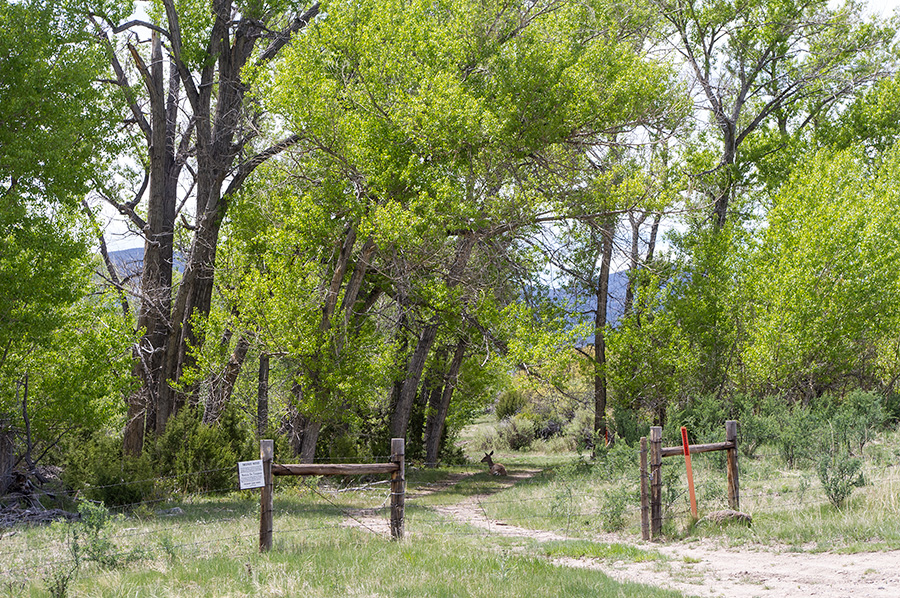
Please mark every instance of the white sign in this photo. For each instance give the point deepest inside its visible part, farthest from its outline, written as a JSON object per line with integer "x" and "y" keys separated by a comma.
{"x": 250, "y": 474}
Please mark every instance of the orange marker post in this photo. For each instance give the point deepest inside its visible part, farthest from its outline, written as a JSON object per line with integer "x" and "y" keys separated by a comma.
{"x": 690, "y": 471}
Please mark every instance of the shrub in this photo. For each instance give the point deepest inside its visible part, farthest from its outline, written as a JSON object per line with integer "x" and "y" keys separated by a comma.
{"x": 757, "y": 428}
{"x": 96, "y": 467}
{"x": 794, "y": 436}
{"x": 704, "y": 417}
{"x": 840, "y": 474}
{"x": 617, "y": 462}
{"x": 485, "y": 439}
{"x": 616, "y": 501}
{"x": 581, "y": 429}
{"x": 859, "y": 417}
{"x": 517, "y": 432}
{"x": 628, "y": 424}
{"x": 510, "y": 403}
{"x": 94, "y": 519}
{"x": 199, "y": 457}
{"x": 558, "y": 444}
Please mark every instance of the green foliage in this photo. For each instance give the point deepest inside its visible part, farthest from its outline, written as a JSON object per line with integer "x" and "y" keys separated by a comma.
{"x": 189, "y": 457}
{"x": 485, "y": 439}
{"x": 840, "y": 474}
{"x": 61, "y": 353}
{"x": 50, "y": 137}
{"x": 797, "y": 438}
{"x": 616, "y": 463}
{"x": 510, "y": 403}
{"x": 704, "y": 417}
{"x": 859, "y": 417}
{"x": 61, "y": 574}
{"x": 823, "y": 283}
{"x": 616, "y": 502}
{"x": 758, "y": 426}
{"x": 189, "y": 446}
{"x": 651, "y": 359}
{"x": 580, "y": 429}
{"x": 630, "y": 425}
{"x": 517, "y": 432}
{"x": 52, "y": 119}
{"x": 872, "y": 120}
{"x": 98, "y": 547}
{"x": 95, "y": 466}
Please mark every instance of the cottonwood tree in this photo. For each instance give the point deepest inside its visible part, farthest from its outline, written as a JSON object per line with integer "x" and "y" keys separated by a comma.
{"x": 776, "y": 67}
{"x": 823, "y": 279}
{"x": 179, "y": 72}
{"x": 764, "y": 73}
{"x": 440, "y": 119}
{"x": 56, "y": 352}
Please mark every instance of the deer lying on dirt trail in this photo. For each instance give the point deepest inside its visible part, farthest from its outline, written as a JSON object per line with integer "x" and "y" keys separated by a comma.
{"x": 494, "y": 468}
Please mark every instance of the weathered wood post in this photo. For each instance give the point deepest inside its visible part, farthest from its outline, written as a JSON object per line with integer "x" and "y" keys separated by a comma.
{"x": 266, "y": 500}
{"x": 645, "y": 492}
{"x": 398, "y": 487}
{"x": 655, "y": 482}
{"x": 731, "y": 464}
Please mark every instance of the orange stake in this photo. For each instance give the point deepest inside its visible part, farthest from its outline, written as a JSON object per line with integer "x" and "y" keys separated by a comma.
{"x": 690, "y": 471}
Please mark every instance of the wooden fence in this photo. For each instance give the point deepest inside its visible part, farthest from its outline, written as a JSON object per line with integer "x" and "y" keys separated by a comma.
{"x": 651, "y": 498}
{"x": 395, "y": 467}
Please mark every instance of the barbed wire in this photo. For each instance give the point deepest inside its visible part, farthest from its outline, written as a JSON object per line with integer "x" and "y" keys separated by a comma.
{"x": 584, "y": 504}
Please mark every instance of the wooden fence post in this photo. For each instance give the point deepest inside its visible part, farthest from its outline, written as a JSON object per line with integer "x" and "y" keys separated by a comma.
{"x": 398, "y": 487}
{"x": 645, "y": 492}
{"x": 731, "y": 463}
{"x": 266, "y": 496}
{"x": 655, "y": 482}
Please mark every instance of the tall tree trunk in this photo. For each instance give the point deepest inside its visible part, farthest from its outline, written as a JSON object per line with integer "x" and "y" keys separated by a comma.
{"x": 7, "y": 455}
{"x": 262, "y": 396}
{"x": 633, "y": 259}
{"x": 221, "y": 387}
{"x": 414, "y": 368}
{"x": 403, "y": 407}
{"x": 310, "y": 439}
{"x": 156, "y": 279}
{"x": 437, "y": 413}
{"x": 217, "y": 102}
{"x": 607, "y": 232}
{"x": 726, "y": 187}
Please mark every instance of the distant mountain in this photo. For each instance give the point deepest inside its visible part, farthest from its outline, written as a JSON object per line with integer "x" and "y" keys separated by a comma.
{"x": 582, "y": 305}
{"x": 128, "y": 262}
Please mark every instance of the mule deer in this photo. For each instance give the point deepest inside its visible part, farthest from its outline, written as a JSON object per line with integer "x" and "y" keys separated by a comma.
{"x": 494, "y": 468}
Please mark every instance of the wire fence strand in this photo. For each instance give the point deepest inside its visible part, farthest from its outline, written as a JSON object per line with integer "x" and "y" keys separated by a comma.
{"x": 563, "y": 504}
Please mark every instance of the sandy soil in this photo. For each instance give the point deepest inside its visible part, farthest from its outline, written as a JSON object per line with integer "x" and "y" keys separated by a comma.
{"x": 703, "y": 568}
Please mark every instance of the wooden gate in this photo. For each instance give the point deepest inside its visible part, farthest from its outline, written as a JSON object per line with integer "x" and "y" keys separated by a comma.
{"x": 396, "y": 467}
{"x": 651, "y": 498}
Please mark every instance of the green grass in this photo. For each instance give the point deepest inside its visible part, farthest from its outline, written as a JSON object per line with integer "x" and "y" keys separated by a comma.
{"x": 211, "y": 550}
{"x": 350, "y": 563}
{"x": 599, "y": 550}
{"x": 573, "y": 496}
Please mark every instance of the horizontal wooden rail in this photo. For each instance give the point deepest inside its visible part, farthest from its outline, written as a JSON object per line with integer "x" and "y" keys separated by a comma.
{"x": 651, "y": 480}
{"x": 334, "y": 468}
{"x": 396, "y": 468}
{"x": 671, "y": 451}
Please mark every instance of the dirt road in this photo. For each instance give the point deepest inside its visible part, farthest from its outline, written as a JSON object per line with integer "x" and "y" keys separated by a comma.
{"x": 703, "y": 568}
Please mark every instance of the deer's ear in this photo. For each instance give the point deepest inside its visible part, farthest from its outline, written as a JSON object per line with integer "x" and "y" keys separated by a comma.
{"x": 492, "y": 454}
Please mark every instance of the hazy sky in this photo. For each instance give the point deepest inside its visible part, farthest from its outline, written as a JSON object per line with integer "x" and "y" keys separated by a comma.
{"x": 885, "y": 7}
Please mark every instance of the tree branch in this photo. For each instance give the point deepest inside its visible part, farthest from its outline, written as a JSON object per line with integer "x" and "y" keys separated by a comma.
{"x": 284, "y": 36}
{"x": 247, "y": 168}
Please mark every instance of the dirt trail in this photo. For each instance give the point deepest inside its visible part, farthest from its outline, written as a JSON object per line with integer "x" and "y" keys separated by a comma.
{"x": 703, "y": 568}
